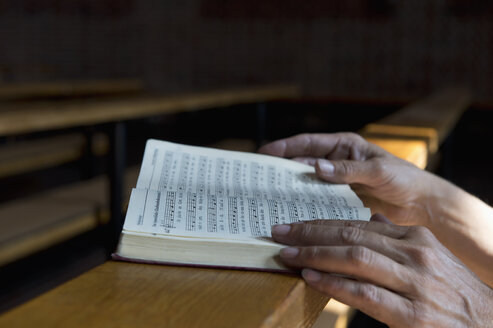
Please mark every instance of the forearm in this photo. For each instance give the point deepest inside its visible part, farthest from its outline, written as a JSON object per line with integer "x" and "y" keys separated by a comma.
{"x": 464, "y": 224}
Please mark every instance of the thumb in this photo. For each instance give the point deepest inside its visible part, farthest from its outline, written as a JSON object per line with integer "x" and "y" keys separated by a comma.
{"x": 344, "y": 171}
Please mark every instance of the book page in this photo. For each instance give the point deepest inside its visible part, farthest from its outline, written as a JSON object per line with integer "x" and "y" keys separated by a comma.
{"x": 172, "y": 167}
{"x": 194, "y": 191}
{"x": 201, "y": 215}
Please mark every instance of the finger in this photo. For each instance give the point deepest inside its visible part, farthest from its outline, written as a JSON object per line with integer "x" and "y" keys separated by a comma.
{"x": 306, "y": 160}
{"x": 380, "y": 218}
{"x": 377, "y": 302}
{"x": 344, "y": 235}
{"x": 311, "y": 229}
{"x": 348, "y": 171}
{"x": 357, "y": 261}
{"x": 334, "y": 146}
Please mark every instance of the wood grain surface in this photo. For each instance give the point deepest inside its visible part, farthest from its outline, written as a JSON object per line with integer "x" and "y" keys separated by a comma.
{"x": 431, "y": 119}
{"x": 118, "y": 294}
{"x": 17, "y": 118}
{"x": 414, "y": 151}
{"x": 33, "y": 223}
{"x": 30, "y": 155}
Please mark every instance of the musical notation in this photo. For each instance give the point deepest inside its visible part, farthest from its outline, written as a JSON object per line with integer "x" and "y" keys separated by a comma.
{"x": 208, "y": 192}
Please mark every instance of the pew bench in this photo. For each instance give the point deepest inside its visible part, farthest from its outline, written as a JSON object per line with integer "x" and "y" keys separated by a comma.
{"x": 32, "y": 155}
{"x": 117, "y": 293}
{"x": 37, "y": 222}
{"x": 66, "y": 89}
{"x": 431, "y": 119}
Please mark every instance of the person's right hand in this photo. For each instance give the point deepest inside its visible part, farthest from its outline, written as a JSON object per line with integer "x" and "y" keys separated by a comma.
{"x": 385, "y": 183}
{"x": 401, "y": 276}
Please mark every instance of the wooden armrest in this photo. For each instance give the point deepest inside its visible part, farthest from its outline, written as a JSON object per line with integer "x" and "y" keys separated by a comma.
{"x": 431, "y": 119}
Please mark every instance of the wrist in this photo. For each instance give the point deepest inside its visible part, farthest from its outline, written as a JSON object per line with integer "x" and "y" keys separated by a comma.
{"x": 446, "y": 204}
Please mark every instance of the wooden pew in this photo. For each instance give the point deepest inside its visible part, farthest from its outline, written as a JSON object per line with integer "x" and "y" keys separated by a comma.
{"x": 37, "y": 154}
{"x": 31, "y": 117}
{"x": 431, "y": 119}
{"x": 17, "y": 91}
{"x": 18, "y": 118}
{"x": 119, "y": 293}
{"x": 37, "y": 222}
{"x": 414, "y": 151}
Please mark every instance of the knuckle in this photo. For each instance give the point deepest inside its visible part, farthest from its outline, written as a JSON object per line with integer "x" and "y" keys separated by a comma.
{"x": 348, "y": 223}
{"x": 416, "y": 283}
{"x": 303, "y": 231}
{"x": 380, "y": 166}
{"x": 350, "y": 235}
{"x": 423, "y": 232}
{"x": 419, "y": 230}
{"x": 421, "y": 255}
{"x": 360, "y": 256}
{"x": 421, "y": 316}
{"x": 306, "y": 140}
{"x": 345, "y": 168}
{"x": 311, "y": 254}
{"x": 331, "y": 286}
{"x": 368, "y": 293}
{"x": 353, "y": 136}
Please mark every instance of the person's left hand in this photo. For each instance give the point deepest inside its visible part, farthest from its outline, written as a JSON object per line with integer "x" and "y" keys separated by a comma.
{"x": 401, "y": 276}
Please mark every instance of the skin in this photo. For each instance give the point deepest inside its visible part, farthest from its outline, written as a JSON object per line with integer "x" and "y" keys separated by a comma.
{"x": 399, "y": 275}
{"x": 402, "y": 192}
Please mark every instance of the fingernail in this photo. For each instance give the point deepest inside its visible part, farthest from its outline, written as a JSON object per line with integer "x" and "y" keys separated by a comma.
{"x": 288, "y": 252}
{"x": 326, "y": 167}
{"x": 311, "y": 275}
{"x": 281, "y": 229}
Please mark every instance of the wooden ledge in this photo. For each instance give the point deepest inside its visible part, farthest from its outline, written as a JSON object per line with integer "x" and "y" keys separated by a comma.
{"x": 378, "y": 131}
{"x": 10, "y": 91}
{"x": 431, "y": 119}
{"x": 27, "y": 156}
{"x": 48, "y": 115}
{"x": 130, "y": 295}
{"x": 47, "y": 219}
{"x": 414, "y": 151}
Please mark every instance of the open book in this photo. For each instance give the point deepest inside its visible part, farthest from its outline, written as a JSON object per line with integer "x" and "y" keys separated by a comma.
{"x": 208, "y": 207}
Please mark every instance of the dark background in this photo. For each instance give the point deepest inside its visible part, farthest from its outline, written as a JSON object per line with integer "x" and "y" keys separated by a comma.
{"x": 355, "y": 61}
{"x": 355, "y": 48}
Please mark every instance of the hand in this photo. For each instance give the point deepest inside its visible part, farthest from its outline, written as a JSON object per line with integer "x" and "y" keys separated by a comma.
{"x": 385, "y": 183}
{"x": 402, "y": 275}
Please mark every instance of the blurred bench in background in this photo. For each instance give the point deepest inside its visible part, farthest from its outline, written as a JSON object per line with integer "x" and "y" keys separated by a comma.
{"x": 37, "y": 222}
{"x": 430, "y": 120}
{"x": 41, "y": 153}
{"x": 69, "y": 89}
{"x": 34, "y": 223}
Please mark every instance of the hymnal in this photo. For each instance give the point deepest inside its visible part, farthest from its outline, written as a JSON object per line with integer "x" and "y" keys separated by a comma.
{"x": 208, "y": 207}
